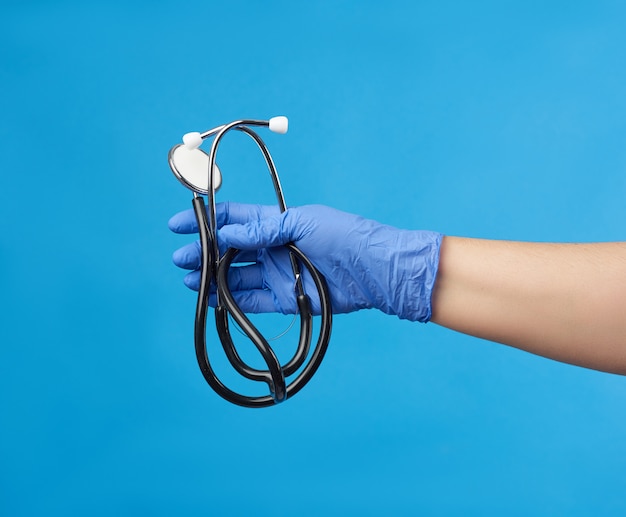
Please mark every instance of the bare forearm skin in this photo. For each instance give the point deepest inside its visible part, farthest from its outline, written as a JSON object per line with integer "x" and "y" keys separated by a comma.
{"x": 562, "y": 301}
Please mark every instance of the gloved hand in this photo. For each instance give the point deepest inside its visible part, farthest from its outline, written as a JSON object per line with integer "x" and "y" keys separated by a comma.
{"x": 366, "y": 264}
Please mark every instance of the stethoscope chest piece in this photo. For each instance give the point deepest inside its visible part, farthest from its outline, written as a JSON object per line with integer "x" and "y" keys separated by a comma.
{"x": 191, "y": 167}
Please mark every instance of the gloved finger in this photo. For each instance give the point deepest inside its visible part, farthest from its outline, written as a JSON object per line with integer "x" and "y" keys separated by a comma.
{"x": 183, "y": 222}
{"x": 269, "y": 232}
{"x": 189, "y": 256}
{"x": 240, "y": 213}
{"x": 245, "y": 256}
{"x": 242, "y": 256}
{"x": 194, "y": 283}
{"x": 242, "y": 278}
{"x": 255, "y": 301}
{"x": 245, "y": 278}
{"x": 192, "y": 280}
{"x": 226, "y": 213}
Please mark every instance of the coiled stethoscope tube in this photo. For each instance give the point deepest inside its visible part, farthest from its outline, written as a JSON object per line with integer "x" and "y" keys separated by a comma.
{"x": 190, "y": 169}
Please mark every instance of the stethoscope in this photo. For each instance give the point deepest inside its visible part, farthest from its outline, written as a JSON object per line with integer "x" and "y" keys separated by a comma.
{"x": 191, "y": 166}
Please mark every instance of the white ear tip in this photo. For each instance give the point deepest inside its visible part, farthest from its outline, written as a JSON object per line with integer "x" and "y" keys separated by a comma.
{"x": 279, "y": 125}
{"x": 192, "y": 140}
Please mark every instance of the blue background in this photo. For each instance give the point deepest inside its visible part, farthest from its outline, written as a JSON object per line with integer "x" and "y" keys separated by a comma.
{"x": 490, "y": 119}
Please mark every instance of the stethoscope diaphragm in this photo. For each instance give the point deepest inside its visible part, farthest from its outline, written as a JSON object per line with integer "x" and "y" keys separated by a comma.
{"x": 191, "y": 166}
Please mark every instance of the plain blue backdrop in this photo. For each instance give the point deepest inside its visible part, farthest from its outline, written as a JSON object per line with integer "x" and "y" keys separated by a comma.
{"x": 488, "y": 119}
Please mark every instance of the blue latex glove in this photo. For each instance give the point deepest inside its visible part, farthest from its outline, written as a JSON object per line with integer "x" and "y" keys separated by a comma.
{"x": 366, "y": 264}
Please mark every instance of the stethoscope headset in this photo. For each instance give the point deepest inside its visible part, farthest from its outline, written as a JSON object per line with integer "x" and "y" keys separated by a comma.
{"x": 191, "y": 166}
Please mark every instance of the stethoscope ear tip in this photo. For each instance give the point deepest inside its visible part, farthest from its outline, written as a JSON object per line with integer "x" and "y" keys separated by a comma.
{"x": 192, "y": 140}
{"x": 279, "y": 124}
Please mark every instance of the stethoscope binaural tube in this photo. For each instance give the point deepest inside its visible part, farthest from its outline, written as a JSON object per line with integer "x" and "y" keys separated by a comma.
{"x": 214, "y": 270}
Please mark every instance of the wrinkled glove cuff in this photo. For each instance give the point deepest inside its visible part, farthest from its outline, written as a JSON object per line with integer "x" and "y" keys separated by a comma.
{"x": 417, "y": 265}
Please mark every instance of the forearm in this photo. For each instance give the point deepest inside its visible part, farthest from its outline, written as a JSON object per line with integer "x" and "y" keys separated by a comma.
{"x": 563, "y": 301}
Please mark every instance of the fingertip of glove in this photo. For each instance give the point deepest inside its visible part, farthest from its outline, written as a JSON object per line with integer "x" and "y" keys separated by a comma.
{"x": 174, "y": 223}
{"x": 188, "y": 257}
{"x": 192, "y": 280}
{"x": 183, "y": 222}
{"x": 177, "y": 257}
